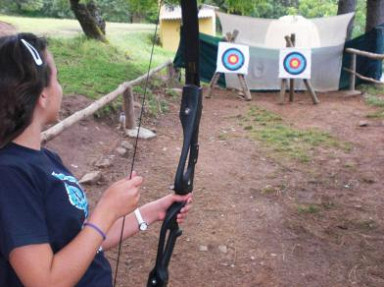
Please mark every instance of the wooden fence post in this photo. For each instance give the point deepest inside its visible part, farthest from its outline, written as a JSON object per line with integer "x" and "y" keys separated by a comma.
{"x": 129, "y": 111}
{"x": 52, "y": 132}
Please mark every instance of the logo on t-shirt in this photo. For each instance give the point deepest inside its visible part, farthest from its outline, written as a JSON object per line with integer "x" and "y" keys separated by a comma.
{"x": 75, "y": 193}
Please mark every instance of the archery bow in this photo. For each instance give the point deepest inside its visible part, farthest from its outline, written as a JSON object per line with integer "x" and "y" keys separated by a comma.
{"x": 190, "y": 113}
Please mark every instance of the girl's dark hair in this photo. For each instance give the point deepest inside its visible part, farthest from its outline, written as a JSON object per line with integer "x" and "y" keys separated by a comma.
{"x": 21, "y": 83}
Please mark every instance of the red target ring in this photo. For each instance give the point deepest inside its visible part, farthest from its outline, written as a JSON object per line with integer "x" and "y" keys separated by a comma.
{"x": 295, "y": 63}
{"x": 233, "y": 59}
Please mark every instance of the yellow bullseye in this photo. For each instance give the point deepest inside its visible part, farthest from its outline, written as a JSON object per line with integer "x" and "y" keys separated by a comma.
{"x": 233, "y": 59}
{"x": 295, "y": 63}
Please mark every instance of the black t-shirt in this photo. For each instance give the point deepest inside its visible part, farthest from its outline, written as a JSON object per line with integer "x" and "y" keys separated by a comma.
{"x": 41, "y": 202}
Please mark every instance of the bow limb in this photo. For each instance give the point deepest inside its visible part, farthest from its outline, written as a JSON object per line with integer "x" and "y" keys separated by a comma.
{"x": 190, "y": 114}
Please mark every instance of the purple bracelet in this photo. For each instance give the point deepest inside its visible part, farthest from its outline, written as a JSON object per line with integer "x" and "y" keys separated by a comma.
{"x": 95, "y": 227}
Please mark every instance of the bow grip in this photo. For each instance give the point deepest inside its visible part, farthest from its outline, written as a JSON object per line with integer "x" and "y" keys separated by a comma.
{"x": 190, "y": 114}
{"x": 169, "y": 233}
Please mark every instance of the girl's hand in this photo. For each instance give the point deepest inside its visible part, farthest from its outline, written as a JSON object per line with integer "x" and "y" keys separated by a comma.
{"x": 159, "y": 207}
{"x": 121, "y": 198}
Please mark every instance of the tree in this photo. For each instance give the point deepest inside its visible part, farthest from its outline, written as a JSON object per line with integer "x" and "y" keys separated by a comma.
{"x": 90, "y": 19}
{"x": 344, "y": 7}
{"x": 115, "y": 10}
{"x": 56, "y": 9}
{"x": 375, "y": 14}
{"x": 21, "y": 6}
{"x": 145, "y": 10}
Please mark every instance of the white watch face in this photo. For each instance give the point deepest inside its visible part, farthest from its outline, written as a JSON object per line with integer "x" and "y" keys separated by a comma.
{"x": 143, "y": 226}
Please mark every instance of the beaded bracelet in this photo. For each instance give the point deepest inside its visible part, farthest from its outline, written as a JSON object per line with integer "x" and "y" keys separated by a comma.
{"x": 95, "y": 227}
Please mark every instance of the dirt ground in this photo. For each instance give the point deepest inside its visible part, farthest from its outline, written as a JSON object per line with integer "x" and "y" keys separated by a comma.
{"x": 247, "y": 227}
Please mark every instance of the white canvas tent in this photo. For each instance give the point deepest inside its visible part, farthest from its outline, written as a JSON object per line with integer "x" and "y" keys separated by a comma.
{"x": 325, "y": 36}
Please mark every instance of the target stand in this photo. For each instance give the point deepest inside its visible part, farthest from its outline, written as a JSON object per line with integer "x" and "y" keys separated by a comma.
{"x": 243, "y": 83}
{"x": 295, "y": 63}
{"x": 232, "y": 59}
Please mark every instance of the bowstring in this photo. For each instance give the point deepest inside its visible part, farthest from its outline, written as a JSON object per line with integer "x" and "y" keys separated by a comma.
{"x": 137, "y": 138}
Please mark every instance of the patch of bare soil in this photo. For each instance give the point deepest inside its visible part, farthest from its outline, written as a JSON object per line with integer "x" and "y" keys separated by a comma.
{"x": 247, "y": 227}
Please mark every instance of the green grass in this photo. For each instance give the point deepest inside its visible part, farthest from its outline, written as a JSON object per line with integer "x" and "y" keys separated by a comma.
{"x": 283, "y": 139}
{"x": 374, "y": 101}
{"x": 93, "y": 68}
{"x": 378, "y": 102}
{"x": 374, "y": 97}
{"x": 372, "y": 89}
{"x": 308, "y": 209}
{"x": 90, "y": 67}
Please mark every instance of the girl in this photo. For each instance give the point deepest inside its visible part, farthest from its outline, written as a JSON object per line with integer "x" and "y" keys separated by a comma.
{"x": 48, "y": 237}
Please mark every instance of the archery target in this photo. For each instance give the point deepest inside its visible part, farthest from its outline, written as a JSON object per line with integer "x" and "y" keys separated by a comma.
{"x": 295, "y": 63}
{"x": 232, "y": 58}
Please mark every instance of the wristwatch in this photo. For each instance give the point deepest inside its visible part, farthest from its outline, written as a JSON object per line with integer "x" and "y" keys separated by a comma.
{"x": 142, "y": 224}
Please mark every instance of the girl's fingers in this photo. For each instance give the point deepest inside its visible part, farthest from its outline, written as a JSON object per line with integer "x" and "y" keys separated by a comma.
{"x": 180, "y": 198}
{"x": 136, "y": 181}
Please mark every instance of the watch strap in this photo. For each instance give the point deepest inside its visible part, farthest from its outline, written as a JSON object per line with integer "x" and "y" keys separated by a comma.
{"x": 139, "y": 217}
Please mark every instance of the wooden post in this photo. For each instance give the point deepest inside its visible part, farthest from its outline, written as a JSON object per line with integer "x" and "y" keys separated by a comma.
{"x": 212, "y": 84}
{"x": 291, "y": 43}
{"x": 170, "y": 72}
{"x": 291, "y": 89}
{"x": 128, "y": 106}
{"x": 311, "y": 91}
{"x": 54, "y": 131}
{"x": 352, "y": 77}
{"x": 244, "y": 86}
{"x": 230, "y": 37}
{"x": 282, "y": 91}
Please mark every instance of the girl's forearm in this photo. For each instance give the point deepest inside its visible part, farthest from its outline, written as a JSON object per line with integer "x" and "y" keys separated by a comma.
{"x": 131, "y": 226}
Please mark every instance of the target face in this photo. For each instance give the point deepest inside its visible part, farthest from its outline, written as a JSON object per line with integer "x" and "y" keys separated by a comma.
{"x": 295, "y": 63}
{"x": 232, "y": 58}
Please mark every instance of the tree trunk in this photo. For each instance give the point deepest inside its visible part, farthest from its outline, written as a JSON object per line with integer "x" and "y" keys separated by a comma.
{"x": 95, "y": 13}
{"x": 375, "y": 14}
{"x": 90, "y": 19}
{"x": 344, "y": 7}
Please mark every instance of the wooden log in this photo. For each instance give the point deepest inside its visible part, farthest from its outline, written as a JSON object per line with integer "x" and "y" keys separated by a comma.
{"x": 231, "y": 37}
{"x": 173, "y": 75}
{"x": 360, "y": 76}
{"x": 282, "y": 91}
{"x": 129, "y": 111}
{"x": 365, "y": 54}
{"x": 352, "y": 79}
{"x": 290, "y": 42}
{"x": 212, "y": 84}
{"x": 291, "y": 89}
{"x": 234, "y": 35}
{"x": 171, "y": 72}
{"x": 243, "y": 84}
{"x": 91, "y": 109}
{"x": 293, "y": 39}
{"x": 311, "y": 91}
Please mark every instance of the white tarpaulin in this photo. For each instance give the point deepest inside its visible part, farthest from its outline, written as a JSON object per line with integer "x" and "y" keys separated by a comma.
{"x": 232, "y": 58}
{"x": 325, "y": 36}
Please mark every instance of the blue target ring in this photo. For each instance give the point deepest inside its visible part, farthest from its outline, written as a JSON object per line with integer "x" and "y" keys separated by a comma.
{"x": 233, "y": 59}
{"x": 295, "y": 63}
